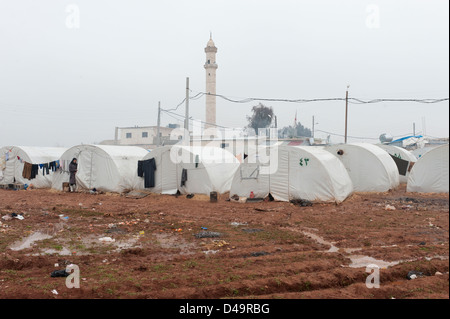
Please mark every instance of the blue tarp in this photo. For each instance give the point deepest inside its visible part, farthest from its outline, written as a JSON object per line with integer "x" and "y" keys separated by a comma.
{"x": 405, "y": 138}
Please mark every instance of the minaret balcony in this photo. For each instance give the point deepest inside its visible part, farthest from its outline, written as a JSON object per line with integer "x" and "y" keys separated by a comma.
{"x": 211, "y": 66}
{"x": 211, "y": 49}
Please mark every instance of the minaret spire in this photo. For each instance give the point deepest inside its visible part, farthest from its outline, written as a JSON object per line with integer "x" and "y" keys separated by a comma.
{"x": 210, "y": 68}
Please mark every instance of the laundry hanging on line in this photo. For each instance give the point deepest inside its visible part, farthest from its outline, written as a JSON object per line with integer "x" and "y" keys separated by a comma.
{"x": 147, "y": 170}
{"x": 184, "y": 177}
{"x": 30, "y": 171}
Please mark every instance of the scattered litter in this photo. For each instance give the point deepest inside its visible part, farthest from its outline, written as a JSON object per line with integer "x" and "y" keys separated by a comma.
{"x": 217, "y": 243}
{"x": 252, "y": 230}
{"x": 142, "y": 232}
{"x": 438, "y": 273}
{"x": 234, "y": 198}
{"x": 56, "y": 265}
{"x": 204, "y": 228}
{"x": 107, "y": 239}
{"x": 242, "y": 199}
{"x": 207, "y": 252}
{"x": 389, "y": 208}
{"x": 422, "y": 243}
{"x": 189, "y": 196}
{"x": 54, "y": 292}
{"x": 414, "y": 274}
{"x": 14, "y": 215}
{"x": 6, "y": 217}
{"x": 238, "y": 224}
{"x": 301, "y": 202}
{"x": 406, "y": 207}
{"x": 80, "y": 204}
{"x": 207, "y": 234}
{"x": 116, "y": 230}
{"x": 409, "y": 199}
{"x": 59, "y": 273}
{"x": 178, "y": 230}
{"x": 259, "y": 253}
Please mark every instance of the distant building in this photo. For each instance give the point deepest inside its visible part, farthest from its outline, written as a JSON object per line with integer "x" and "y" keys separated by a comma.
{"x": 143, "y": 136}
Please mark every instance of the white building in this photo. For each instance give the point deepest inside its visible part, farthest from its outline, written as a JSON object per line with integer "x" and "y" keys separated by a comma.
{"x": 143, "y": 136}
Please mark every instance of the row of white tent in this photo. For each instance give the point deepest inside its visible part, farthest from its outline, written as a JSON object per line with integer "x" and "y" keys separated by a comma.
{"x": 328, "y": 173}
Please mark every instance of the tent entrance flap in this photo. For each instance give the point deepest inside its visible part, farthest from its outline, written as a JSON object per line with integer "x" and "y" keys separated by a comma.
{"x": 85, "y": 169}
{"x": 8, "y": 173}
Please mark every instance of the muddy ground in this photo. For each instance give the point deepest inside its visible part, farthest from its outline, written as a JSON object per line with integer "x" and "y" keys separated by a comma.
{"x": 264, "y": 250}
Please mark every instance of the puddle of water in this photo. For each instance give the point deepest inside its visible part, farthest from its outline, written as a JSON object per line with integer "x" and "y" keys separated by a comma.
{"x": 437, "y": 257}
{"x": 359, "y": 261}
{"x": 351, "y": 250}
{"x": 320, "y": 240}
{"x": 63, "y": 252}
{"x": 126, "y": 244}
{"x": 171, "y": 241}
{"x": 28, "y": 241}
{"x": 93, "y": 241}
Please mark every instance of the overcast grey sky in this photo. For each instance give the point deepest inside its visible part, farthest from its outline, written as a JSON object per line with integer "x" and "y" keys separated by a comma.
{"x": 62, "y": 84}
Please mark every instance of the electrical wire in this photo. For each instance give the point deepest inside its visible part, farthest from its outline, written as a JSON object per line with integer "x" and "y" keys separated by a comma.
{"x": 350, "y": 100}
{"x": 356, "y": 137}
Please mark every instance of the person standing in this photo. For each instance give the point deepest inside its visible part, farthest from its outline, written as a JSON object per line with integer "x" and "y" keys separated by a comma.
{"x": 73, "y": 168}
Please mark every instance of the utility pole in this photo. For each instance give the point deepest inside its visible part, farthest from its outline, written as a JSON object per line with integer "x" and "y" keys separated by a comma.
{"x": 186, "y": 123}
{"x": 414, "y": 129}
{"x": 346, "y": 113}
{"x": 313, "y": 128}
{"x": 158, "y": 134}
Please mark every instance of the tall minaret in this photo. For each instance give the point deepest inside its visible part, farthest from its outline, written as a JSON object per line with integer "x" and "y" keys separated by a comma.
{"x": 210, "y": 67}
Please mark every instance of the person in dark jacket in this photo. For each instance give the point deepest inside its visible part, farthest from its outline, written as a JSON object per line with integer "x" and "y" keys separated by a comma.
{"x": 73, "y": 168}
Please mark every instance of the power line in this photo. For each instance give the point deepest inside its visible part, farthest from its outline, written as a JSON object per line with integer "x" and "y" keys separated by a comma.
{"x": 351, "y": 100}
{"x": 191, "y": 118}
{"x": 341, "y": 135}
{"x": 196, "y": 97}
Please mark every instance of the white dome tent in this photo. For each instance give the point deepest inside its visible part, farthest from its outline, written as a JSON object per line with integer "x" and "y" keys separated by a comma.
{"x": 370, "y": 168}
{"x": 103, "y": 167}
{"x": 13, "y": 158}
{"x": 208, "y": 169}
{"x": 402, "y": 154}
{"x": 431, "y": 172}
{"x": 293, "y": 172}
